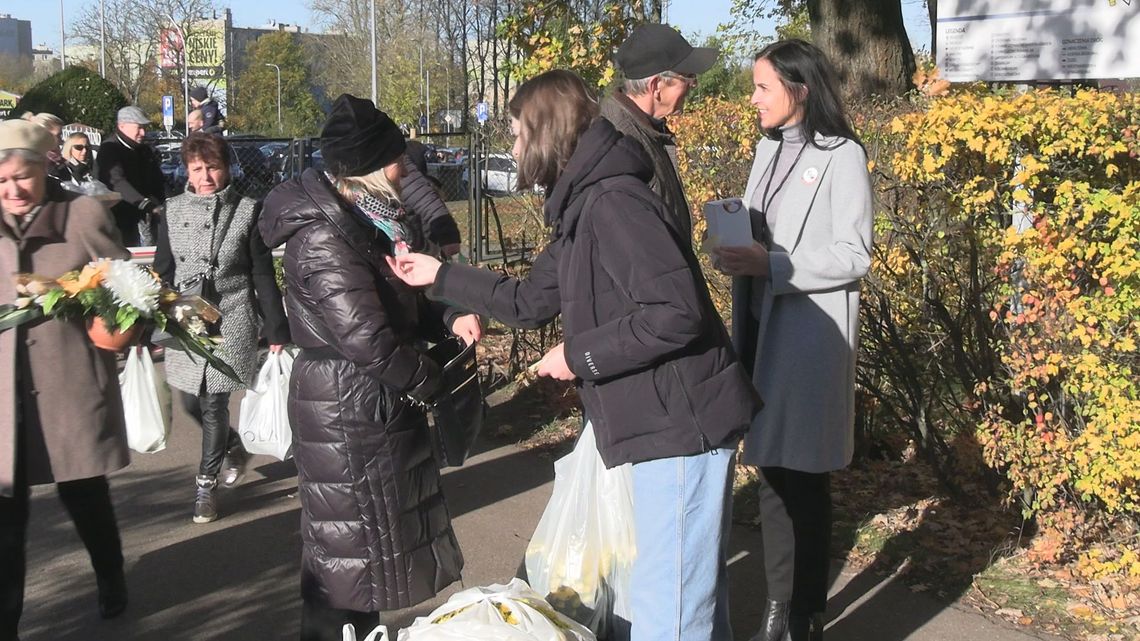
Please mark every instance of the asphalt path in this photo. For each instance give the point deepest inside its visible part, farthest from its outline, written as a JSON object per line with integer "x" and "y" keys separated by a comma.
{"x": 237, "y": 579}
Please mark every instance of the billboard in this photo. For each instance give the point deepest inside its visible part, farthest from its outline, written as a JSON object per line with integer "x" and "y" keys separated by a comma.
{"x": 7, "y": 103}
{"x": 205, "y": 55}
{"x": 1027, "y": 40}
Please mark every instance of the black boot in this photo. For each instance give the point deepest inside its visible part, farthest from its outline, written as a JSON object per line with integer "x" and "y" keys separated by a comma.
{"x": 112, "y": 595}
{"x": 775, "y": 626}
{"x": 805, "y": 627}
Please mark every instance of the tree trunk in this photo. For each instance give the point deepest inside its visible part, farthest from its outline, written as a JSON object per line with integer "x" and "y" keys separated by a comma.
{"x": 867, "y": 43}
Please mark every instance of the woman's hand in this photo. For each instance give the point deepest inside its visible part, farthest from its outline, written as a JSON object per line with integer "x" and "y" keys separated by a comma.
{"x": 468, "y": 328}
{"x": 742, "y": 261}
{"x": 417, "y": 270}
{"x": 553, "y": 364}
{"x": 276, "y": 349}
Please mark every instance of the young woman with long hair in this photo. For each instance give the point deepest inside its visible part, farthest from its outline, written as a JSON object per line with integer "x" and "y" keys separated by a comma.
{"x": 642, "y": 341}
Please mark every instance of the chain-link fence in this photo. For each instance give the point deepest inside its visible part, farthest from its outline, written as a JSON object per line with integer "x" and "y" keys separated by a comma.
{"x": 507, "y": 222}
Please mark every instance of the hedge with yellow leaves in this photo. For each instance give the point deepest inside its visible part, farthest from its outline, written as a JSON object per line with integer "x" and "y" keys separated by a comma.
{"x": 1000, "y": 318}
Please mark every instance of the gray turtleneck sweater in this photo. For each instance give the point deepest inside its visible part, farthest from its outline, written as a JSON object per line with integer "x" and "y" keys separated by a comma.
{"x": 794, "y": 140}
{"x": 783, "y": 165}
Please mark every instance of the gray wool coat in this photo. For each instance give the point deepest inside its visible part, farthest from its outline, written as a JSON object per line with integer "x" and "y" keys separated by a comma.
{"x": 65, "y": 390}
{"x": 806, "y": 339}
{"x": 244, "y": 279}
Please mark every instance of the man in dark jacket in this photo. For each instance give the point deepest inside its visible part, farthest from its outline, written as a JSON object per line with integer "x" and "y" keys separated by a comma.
{"x": 660, "y": 68}
{"x": 128, "y": 166}
{"x": 213, "y": 120}
{"x": 421, "y": 198}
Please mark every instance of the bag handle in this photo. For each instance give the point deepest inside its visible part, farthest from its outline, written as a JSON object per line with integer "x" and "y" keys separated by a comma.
{"x": 215, "y": 241}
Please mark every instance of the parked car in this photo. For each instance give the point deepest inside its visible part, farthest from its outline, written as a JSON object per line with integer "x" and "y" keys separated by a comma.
{"x": 500, "y": 174}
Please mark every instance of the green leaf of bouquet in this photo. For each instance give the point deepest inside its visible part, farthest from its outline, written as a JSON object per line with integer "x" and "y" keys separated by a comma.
{"x": 11, "y": 316}
{"x": 51, "y": 299}
{"x": 191, "y": 346}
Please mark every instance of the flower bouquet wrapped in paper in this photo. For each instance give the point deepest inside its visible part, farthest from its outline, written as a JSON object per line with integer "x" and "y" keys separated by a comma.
{"x": 118, "y": 299}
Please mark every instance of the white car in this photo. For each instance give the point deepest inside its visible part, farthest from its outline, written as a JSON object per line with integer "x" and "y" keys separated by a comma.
{"x": 500, "y": 174}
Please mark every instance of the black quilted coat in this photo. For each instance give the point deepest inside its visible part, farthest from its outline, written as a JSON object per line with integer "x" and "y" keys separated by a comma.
{"x": 375, "y": 528}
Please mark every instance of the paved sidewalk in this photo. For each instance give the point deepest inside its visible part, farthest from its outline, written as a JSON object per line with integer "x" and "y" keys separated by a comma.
{"x": 237, "y": 579}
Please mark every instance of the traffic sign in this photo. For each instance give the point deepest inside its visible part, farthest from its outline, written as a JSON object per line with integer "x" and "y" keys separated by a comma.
{"x": 481, "y": 113}
{"x": 168, "y": 112}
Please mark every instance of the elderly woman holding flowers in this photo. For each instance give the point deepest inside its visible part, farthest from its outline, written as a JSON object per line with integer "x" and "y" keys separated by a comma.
{"x": 211, "y": 231}
{"x": 61, "y": 417}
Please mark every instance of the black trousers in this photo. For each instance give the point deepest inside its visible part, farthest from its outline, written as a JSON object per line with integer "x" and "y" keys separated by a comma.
{"x": 795, "y": 517}
{"x": 322, "y": 623}
{"x": 88, "y": 502}
{"x": 212, "y": 412}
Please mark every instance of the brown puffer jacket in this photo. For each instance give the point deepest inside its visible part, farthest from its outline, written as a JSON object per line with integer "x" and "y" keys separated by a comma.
{"x": 376, "y": 531}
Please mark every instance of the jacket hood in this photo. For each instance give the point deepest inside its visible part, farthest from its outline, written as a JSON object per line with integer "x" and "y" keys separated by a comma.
{"x": 602, "y": 152}
{"x": 295, "y": 204}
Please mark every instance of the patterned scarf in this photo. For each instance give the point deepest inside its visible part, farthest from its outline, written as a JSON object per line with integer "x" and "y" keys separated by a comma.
{"x": 379, "y": 214}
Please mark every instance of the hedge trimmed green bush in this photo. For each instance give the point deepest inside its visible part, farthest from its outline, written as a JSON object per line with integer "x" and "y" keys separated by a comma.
{"x": 75, "y": 94}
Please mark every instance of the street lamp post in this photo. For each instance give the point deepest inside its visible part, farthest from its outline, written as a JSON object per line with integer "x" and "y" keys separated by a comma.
{"x": 372, "y": 28}
{"x": 102, "y": 40}
{"x": 185, "y": 71}
{"x": 278, "y": 69}
{"x": 62, "y": 40}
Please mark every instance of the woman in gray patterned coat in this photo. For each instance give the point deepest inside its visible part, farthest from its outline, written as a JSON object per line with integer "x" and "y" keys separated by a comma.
{"x": 211, "y": 216}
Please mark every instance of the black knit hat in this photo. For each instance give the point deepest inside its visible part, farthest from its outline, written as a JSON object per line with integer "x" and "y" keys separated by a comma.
{"x": 358, "y": 138}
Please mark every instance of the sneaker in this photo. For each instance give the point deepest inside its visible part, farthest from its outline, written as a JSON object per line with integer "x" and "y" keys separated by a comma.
{"x": 233, "y": 467}
{"x": 205, "y": 509}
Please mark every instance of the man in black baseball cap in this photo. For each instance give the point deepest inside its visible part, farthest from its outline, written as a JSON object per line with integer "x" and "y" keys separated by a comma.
{"x": 660, "y": 68}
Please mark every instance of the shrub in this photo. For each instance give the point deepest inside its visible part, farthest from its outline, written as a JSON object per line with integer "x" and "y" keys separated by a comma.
{"x": 1002, "y": 308}
{"x": 75, "y": 94}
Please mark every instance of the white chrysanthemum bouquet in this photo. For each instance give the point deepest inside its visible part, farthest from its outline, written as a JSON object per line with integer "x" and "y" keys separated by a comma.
{"x": 117, "y": 299}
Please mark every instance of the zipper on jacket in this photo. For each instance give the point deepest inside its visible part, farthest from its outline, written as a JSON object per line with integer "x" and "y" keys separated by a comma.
{"x": 706, "y": 446}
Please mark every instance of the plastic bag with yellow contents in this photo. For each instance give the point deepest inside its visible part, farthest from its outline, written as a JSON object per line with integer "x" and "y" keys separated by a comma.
{"x": 511, "y": 612}
{"x": 582, "y": 552}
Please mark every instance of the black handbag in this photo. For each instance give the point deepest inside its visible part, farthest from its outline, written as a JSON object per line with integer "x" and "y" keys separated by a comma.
{"x": 458, "y": 409}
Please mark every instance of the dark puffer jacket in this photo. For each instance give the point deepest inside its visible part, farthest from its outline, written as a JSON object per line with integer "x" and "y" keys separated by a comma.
{"x": 375, "y": 528}
{"x": 658, "y": 377}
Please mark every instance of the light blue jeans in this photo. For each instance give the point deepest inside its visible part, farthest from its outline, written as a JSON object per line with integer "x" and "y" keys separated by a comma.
{"x": 682, "y": 511}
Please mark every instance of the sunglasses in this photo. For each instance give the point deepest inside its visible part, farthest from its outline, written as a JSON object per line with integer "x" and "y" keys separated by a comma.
{"x": 79, "y": 147}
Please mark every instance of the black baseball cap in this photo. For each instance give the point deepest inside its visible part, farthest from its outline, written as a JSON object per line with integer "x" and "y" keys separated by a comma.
{"x": 654, "y": 48}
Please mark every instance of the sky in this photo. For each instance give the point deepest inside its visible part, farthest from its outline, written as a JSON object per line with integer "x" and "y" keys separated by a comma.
{"x": 693, "y": 17}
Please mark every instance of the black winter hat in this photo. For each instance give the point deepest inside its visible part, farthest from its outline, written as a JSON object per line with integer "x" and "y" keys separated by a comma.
{"x": 358, "y": 138}
{"x": 654, "y": 48}
{"x": 199, "y": 93}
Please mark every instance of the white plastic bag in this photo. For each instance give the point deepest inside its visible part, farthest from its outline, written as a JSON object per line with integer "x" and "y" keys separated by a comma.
{"x": 511, "y": 612}
{"x": 264, "y": 419}
{"x": 348, "y": 633}
{"x": 147, "y": 423}
{"x": 582, "y": 552}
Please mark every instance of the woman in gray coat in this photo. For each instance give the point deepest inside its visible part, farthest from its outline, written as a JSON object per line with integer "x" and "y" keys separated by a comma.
{"x": 212, "y": 218}
{"x": 796, "y": 319}
{"x": 61, "y": 416}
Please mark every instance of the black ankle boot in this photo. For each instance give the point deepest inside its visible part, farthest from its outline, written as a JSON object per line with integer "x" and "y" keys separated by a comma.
{"x": 112, "y": 595}
{"x": 775, "y": 626}
{"x": 805, "y": 627}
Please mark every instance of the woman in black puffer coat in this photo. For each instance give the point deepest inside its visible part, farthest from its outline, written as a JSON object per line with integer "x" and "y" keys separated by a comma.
{"x": 375, "y": 528}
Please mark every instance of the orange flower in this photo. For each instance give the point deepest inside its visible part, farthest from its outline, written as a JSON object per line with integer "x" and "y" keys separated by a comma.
{"x": 89, "y": 278}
